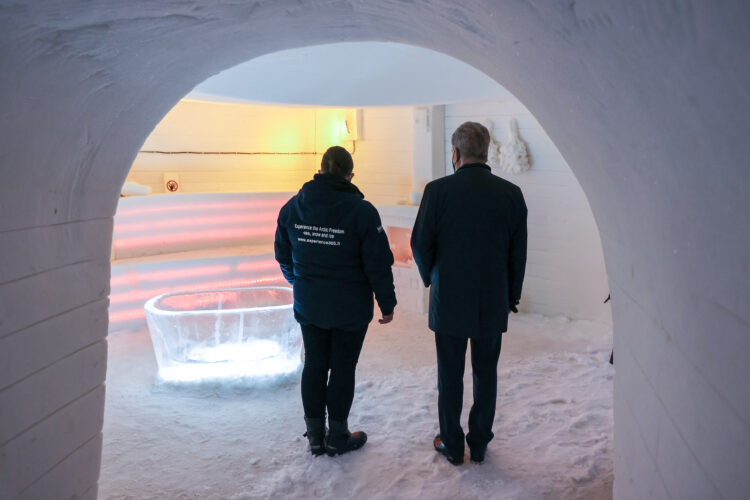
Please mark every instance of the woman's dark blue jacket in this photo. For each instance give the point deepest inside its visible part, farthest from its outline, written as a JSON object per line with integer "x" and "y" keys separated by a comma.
{"x": 332, "y": 248}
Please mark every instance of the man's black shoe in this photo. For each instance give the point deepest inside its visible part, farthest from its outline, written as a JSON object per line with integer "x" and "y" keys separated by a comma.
{"x": 440, "y": 448}
{"x": 477, "y": 453}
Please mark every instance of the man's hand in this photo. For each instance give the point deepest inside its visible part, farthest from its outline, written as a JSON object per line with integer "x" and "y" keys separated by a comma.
{"x": 386, "y": 319}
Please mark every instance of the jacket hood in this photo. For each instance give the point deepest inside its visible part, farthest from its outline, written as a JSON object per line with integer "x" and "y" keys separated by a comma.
{"x": 326, "y": 193}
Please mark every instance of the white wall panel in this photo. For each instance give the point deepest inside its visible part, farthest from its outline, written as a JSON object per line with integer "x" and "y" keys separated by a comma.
{"x": 74, "y": 477}
{"x": 38, "y": 346}
{"x": 30, "y": 300}
{"x": 382, "y": 157}
{"x": 29, "y": 457}
{"x": 35, "y": 397}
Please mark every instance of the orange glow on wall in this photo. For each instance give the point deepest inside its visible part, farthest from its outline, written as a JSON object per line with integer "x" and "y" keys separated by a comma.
{"x": 332, "y": 127}
{"x": 288, "y": 133}
{"x": 399, "y": 239}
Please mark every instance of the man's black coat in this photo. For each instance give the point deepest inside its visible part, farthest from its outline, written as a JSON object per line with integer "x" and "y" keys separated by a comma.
{"x": 332, "y": 248}
{"x": 469, "y": 242}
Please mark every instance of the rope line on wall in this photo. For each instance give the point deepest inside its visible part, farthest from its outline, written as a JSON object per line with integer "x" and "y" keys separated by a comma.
{"x": 159, "y": 152}
{"x": 151, "y": 151}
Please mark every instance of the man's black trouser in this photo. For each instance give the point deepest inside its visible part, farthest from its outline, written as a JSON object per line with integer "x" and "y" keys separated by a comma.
{"x": 451, "y": 357}
{"x": 337, "y": 351}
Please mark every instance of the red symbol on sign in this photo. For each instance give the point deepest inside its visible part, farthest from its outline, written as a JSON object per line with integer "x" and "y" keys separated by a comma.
{"x": 172, "y": 186}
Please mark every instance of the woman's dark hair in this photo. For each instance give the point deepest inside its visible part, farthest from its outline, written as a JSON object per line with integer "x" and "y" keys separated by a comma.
{"x": 337, "y": 161}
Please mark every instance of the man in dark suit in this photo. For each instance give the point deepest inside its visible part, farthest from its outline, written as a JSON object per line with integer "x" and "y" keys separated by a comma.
{"x": 469, "y": 243}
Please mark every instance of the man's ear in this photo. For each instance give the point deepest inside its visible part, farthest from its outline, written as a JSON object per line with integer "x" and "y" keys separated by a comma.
{"x": 320, "y": 170}
{"x": 350, "y": 177}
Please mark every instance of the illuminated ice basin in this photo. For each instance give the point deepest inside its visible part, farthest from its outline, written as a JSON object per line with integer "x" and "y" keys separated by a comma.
{"x": 229, "y": 334}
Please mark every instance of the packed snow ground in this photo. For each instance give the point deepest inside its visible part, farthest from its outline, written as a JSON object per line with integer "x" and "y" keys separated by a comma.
{"x": 553, "y": 428}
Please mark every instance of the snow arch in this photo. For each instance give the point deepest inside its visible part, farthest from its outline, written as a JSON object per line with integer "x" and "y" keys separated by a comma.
{"x": 622, "y": 88}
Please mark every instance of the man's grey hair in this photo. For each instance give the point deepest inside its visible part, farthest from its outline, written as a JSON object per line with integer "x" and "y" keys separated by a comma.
{"x": 472, "y": 140}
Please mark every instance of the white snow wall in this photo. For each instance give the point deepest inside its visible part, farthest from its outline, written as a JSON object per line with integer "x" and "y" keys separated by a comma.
{"x": 647, "y": 101}
{"x": 382, "y": 158}
{"x": 565, "y": 271}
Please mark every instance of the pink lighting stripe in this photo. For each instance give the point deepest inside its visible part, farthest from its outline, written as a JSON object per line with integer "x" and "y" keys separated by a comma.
{"x": 275, "y": 203}
{"x": 143, "y": 295}
{"x": 127, "y": 315}
{"x": 137, "y": 295}
{"x": 133, "y": 278}
{"x": 233, "y": 283}
{"x": 257, "y": 265}
{"x": 197, "y": 221}
{"x": 216, "y": 234}
{"x": 189, "y": 302}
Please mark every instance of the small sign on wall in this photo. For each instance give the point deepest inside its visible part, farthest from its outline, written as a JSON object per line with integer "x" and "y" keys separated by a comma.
{"x": 171, "y": 183}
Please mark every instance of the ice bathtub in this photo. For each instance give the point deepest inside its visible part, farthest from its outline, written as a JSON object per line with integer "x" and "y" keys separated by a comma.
{"x": 224, "y": 334}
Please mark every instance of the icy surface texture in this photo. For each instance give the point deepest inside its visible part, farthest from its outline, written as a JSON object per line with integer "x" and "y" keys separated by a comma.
{"x": 224, "y": 334}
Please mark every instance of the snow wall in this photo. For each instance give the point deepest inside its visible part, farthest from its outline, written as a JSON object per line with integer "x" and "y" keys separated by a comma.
{"x": 642, "y": 98}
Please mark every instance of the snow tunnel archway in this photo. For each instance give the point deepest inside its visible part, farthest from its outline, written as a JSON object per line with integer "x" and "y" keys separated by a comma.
{"x": 623, "y": 90}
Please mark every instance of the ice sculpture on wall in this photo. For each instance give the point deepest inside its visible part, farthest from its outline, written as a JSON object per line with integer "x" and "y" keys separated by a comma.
{"x": 225, "y": 334}
{"x": 493, "y": 155}
{"x": 514, "y": 156}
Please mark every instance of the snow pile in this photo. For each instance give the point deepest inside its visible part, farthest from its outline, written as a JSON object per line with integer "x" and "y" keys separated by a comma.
{"x": 553, "y": 428}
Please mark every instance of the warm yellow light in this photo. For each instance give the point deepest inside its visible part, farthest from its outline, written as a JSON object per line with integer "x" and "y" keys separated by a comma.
{"x": 339, "y": 131}
{"x": 285, "y": 139}
{"x": 333, "y": 127}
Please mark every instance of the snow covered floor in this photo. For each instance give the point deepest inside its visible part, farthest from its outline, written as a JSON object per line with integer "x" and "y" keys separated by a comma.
{"x": 553, "y": 429}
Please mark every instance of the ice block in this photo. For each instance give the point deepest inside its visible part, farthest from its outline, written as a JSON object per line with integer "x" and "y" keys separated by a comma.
{"x": 224, "y": 334}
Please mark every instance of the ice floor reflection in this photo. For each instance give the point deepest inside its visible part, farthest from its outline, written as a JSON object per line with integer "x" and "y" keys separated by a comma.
{"x": 224, "y": 334}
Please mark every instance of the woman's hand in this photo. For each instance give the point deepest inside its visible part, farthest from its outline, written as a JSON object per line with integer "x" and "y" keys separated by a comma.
{"x": 386, "y": 319}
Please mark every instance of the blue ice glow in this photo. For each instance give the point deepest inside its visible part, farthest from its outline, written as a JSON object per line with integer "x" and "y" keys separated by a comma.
{"x": 224, "y": 334}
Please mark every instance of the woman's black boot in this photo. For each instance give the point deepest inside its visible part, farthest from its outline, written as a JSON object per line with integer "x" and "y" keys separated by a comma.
{"x": 316, "y": 432}
{"x": 340, "y": 440}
